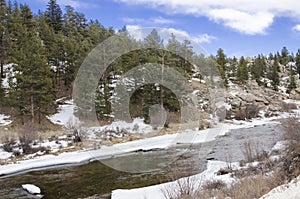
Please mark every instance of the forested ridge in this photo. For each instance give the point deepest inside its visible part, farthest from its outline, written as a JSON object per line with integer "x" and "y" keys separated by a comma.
{"x": 41, "y": 53}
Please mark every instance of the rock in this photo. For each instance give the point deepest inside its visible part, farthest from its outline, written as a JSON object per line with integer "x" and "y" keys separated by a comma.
{"x": 247, "y": 97}
{"x": 204, "y": 119}
{"x": 236, "y": 102}
{"x": 274, "y": 108}
{"x": 32, "y": 189}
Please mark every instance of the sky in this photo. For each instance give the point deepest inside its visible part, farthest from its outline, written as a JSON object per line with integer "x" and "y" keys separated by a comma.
{"x": 239, "y": 27}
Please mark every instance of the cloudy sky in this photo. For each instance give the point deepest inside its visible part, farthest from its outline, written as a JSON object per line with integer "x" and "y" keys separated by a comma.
{"x": 240, "y": 27}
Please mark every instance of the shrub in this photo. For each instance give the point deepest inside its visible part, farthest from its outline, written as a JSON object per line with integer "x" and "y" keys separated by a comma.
{"x": 27, "y": 134}
{"x": 252, "y": 111}
{"x": 8, "y": 144}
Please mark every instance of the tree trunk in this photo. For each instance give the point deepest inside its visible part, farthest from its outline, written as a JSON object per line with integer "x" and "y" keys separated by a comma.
{"x": 162, "y": 79}
{"x": 32, "y": 107}
{"x": 2, "y": 69}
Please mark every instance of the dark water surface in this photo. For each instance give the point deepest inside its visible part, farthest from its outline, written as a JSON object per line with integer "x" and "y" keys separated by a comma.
{"x": 97, "y": 178}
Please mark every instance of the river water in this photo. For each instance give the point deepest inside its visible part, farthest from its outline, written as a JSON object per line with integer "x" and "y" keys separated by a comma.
{"x": 96, "y": 178}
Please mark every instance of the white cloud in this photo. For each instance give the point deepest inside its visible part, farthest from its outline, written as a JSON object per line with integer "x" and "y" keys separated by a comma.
{"x": 204, "y": 38}
{"x": 74, "y": 3}
{"x": 133, "y": 20}
{"x": 152, "y": 21}
{"x": 161, "y": 20}
{"x": 242, "y": 21}
{"x": 136, "y": 32}
{"x": 245, "y": 16}
{"x": 297, "y": 28}
{"x": 140, "y": 33}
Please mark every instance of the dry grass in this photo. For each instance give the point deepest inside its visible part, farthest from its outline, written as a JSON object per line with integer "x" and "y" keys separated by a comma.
{"x": 185, "y": 188}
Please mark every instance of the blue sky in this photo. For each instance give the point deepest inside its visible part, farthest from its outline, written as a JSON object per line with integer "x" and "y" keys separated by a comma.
{"x": 240, "y": 27}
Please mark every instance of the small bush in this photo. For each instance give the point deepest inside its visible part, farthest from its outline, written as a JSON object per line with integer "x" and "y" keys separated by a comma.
{"x": 291, "y": 160}
{"x": 8, "y": 144}
{"x": 251, "y": 151}
{"x": 185, "y": 188}
{"x": 291, "y": 128}
{"x": 214, "y": 185}
{"x": 252, "y": 111}
{"x": 27, "y": 134}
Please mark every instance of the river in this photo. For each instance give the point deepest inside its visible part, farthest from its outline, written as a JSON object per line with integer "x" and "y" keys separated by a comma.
{"x": 96, "y": 178}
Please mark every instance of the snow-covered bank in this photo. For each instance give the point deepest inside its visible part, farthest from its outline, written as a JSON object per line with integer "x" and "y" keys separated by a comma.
{"x": 159, "y": 142}
{"x": 119, "y": 129}
{"x": 286, "y": 191}
{"x": 65, "y": 115}
{"x": 157, "y": 191}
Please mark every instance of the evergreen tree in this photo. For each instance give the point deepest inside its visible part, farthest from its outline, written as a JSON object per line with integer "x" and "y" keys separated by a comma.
{"x": 285, "y": 57}
{"x": 54, "y": 16}
{"x": 221, "y": 64}
{"x": 298, "y": 62}
{"x": 173, "y": 44}
{"x": 242, "y": 71}
{"x": 30, "y": 87}
{"x": 274, "y": 74}
{"x": 3, "y": 36}
{"x": 258, "y": 68}
{"x": 292, "y": 83}
{"x": 270, "y": 57}
{"x": 153, "y": 40}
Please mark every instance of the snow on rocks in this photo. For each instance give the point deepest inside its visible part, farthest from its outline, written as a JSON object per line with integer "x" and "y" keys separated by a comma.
{"x": 4, "y": 120}
{"x": 10, "y": 73}
{"x": 32, "y": 189}
{"x": 3, "y": 154}
{"x": 65, "y": 115}
{"x": 120, "y": 129}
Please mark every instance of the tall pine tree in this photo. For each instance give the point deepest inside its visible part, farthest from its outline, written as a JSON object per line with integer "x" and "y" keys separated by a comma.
{"x": 298, "y": 62}
{"x": 242, "y": 70}
{"x": 31, "y": 85}
{"x": 54, "y": 16}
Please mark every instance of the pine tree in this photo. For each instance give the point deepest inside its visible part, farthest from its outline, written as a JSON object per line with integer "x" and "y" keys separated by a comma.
{"x": 3, "y": 36}
{"x": 274, "y": 74}
{"x": 173, "y": 44}
{"x": 292, "y": 83}
{"x": 31, "y": 86}
{"x": 221, "y": 64}
{"x": 153, "y": 40}
{"x": 242, "y": 71}
{"x": 285, "y": 57}
{"x": 298, "y": 62}
{"x": 54, "y": 16}
{"x": 258, "y": 68}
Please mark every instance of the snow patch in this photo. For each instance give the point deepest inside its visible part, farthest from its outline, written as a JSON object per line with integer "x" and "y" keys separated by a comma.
{"x": 4, "y": 120}
{"x": 286, "y": 191}
{"x": 31, "y": 188}
{"x": 4, "y": 154}
{"x": 65, "y": 115}
{"x": 280, "y": 145}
